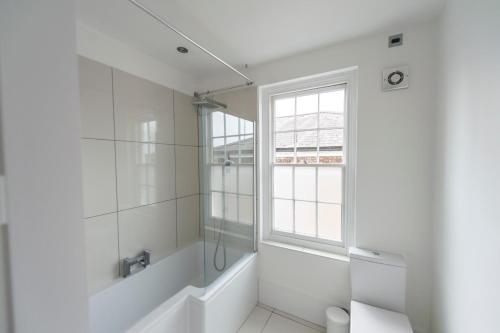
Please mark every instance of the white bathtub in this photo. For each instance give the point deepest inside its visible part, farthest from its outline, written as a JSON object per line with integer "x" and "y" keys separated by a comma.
{"x": 167, "y": 297}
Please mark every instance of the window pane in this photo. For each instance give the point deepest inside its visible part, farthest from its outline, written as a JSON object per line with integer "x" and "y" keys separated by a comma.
{"x": 232, "y": 140}
{"x": 232, "y": 148}
{"x": 284, "y": 147}
{"x": 331, "y": 120}
{"x": 330, "y": 222}
{"x": 331, "y": 144}
{"x": 283, "y": 215}
{"x": 282, "y": 182}
{"x": 284, "y": 107}
{"x": 231, "y": 125}
{"x": 307, "y": 142}
{"x": 305, "y": 218}
{"x": 230, "y": 207}
{"x": 217, "y": 205}
{"x": 246, "y": 149}
{"x": 246, "y": 126}
{"x": 245, "y": 209}
{"x": 216, "y": 179}
{"x": 230, "y": 178}
{"x": 332, "y": 101}
{"x": 217, "y": 123}
{"x": 245, "y": 179}
{"x": 305, "y": 183}
{"x": 307, "y": 104}
{"x": 330, "y": 184}
{"x": 309, "y": 121}
{"x": 284, "y": 123}
{"x": 218, "y": 150}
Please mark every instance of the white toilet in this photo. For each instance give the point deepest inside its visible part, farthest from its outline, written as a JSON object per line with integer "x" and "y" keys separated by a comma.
{"x": 378, "y": 292}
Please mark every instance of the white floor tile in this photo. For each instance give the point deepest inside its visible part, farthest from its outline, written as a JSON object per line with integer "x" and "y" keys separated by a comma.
{"x": 280, "y": 324}
{"x": 256, "y": 321}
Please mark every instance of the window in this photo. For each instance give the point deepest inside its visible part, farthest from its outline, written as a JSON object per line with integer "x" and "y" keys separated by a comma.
{"x": 308, "y": 158}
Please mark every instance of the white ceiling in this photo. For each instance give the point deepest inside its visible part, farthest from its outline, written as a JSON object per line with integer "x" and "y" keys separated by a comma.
{"x": 247, "y": 32}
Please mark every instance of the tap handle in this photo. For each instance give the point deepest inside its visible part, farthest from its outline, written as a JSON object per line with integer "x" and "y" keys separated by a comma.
{"x": 147, "y": 257}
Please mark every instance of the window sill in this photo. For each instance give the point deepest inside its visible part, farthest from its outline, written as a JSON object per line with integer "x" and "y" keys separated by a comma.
{"x": 295, "y": 248}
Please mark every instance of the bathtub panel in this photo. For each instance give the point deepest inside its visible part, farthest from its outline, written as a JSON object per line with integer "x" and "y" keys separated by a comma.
{"x": 231, "y": 304}
{"x": 222, "y": 307}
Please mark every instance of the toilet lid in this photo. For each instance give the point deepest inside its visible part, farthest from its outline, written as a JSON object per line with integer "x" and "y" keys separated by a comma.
{"x": 370, "y": 319}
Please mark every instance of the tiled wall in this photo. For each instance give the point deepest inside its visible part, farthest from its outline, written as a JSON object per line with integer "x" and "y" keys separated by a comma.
{"x": 140, "y": 170}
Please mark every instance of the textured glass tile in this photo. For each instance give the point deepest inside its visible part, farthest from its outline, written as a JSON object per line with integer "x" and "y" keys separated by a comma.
{"x": 305, "y": 218}
{"x": 282, "y": 182}
{"x": 283, "y": 215}
{"x": 330, "y": 184}
{"x": 305, "y": 183}
{"x": 330, "y": 222}
{"x": 333, "y": 101}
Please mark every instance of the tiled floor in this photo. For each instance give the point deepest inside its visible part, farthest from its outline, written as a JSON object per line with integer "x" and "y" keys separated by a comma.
{"x": 264, "y": 321}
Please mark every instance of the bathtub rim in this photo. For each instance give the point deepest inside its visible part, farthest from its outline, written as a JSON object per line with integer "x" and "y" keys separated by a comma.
{"x": 194, "y": 294}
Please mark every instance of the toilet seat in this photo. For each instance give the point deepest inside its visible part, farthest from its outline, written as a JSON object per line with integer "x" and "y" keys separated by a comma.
{"x": 370, "y": 319}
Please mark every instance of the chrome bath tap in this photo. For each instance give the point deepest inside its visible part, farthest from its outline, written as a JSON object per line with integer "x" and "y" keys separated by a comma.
{"x": 143, "y": 259}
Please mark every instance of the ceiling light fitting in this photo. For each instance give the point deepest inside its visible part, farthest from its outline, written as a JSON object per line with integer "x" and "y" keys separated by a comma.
{"x": 182, "y": 49}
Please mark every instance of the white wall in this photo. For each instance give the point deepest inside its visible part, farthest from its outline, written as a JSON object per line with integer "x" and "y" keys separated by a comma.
{"x": 114, "y": 53}
{"x": 395, "y": 140}
{"x": 40, "y": 131}
{"x": 467, "y": 227}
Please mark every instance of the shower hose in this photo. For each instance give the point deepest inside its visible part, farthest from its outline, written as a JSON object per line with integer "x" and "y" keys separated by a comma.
{"x": 220, "y": 242}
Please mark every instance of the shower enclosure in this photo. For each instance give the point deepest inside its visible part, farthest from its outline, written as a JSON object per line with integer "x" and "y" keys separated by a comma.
{"x": 227, "y": 185}
{"x": 210, "y": 276}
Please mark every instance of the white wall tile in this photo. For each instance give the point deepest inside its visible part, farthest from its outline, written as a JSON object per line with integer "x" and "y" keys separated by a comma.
{"x": 143, "y": 109}
{"x": 150, "y": 227}
{"x": 101, "y": 239}
{"x": 146, "y": 173}
{"x": 186, "y": 160}
{"x": 186, "y": 120}
{"x": 188, "y": 220}
{"x": 96, "y": 100}
{"x": 99, "y": 181}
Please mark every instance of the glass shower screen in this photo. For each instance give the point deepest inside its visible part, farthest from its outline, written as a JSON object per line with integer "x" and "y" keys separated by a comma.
{"x": 227, "y": 170}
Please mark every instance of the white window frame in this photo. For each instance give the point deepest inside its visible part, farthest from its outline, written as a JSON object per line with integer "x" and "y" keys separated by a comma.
{"x": 349, "y": 77}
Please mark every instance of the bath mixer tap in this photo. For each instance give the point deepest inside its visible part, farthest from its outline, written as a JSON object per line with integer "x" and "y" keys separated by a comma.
{"x": 143, "y": 259}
